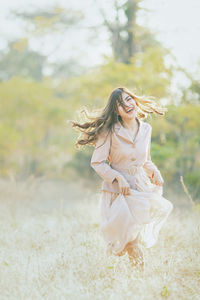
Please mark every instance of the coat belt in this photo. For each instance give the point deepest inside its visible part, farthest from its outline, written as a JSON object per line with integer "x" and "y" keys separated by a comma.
{"x": 131, "y": 170}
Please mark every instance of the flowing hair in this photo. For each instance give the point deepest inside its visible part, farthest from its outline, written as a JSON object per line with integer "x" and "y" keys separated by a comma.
{"x": 106, "y": 117}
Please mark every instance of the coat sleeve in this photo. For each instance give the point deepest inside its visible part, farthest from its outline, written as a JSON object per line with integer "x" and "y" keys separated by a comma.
{"x": 150, "y": 168}
{"x": 99, "y": 157}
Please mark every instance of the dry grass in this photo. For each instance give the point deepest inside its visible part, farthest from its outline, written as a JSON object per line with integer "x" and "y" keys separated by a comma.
{"x": 51, "y": 248}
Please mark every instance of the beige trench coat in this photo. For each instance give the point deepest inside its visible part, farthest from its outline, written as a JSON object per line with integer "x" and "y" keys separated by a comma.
{"x": 124, "y": 156}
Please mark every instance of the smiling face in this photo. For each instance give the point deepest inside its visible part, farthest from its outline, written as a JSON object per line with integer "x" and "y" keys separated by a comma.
{"x": 130, "y": 110}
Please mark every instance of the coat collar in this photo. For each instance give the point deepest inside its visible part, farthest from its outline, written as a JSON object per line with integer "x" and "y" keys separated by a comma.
{"x": 123, "y": 133}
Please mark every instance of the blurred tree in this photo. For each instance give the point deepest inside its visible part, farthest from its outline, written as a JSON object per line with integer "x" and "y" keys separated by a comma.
{"x": 33, "y": 135}
{"x": 52, "y": 21}
{"x": 195, "y": 89}
{"x": 127, "y": 37}
{"x": 19, "y": 60}
{"x": 147, "y": 74}
{"x": 177, "y": 145}
{"x": 192, "y": 93}
{"x": 66, "y": 69}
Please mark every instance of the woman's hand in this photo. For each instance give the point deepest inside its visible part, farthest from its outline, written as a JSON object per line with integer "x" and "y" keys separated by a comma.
{"x": 157, "y": 178}
{"x": 124, "y": 186}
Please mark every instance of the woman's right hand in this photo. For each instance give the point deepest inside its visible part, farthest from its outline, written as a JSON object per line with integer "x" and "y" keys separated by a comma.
{"x": 124, "y": 186}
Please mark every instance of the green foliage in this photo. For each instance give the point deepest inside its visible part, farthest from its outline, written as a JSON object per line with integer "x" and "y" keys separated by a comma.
{"x": 81, "y": 163}
{"x": 93, "y": 88}
{"x": 164, "y": 293}
{"x": 32, "y": 128}
{"x": 19, "y": 60}
{"x": 50, "y": 20}
{"x": 176, "y": 145}
{"x": 193, "y": 181}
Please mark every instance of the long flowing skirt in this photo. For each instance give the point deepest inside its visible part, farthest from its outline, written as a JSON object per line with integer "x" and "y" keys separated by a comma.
{"x": 138, "y": 215}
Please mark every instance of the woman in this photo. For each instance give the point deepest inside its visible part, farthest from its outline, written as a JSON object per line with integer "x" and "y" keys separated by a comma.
{"x": 133, "y": 209}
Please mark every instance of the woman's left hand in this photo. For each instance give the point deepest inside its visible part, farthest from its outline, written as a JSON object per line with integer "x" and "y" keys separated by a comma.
{"x": 157, "y": 178}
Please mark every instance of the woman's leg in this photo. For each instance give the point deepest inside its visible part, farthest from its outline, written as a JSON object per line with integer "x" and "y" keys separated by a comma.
{"x": 135, "y": 253}
{"x": 133, "y": 249}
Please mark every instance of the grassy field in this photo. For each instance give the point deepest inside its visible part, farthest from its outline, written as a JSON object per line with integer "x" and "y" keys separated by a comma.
{"x": 51, "y": 248}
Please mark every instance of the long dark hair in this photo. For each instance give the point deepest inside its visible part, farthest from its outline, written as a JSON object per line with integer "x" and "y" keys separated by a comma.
{"x": 108, "y": 116}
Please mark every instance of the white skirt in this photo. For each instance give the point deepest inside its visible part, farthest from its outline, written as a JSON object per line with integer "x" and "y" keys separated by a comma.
{"x": 141, "y": 213}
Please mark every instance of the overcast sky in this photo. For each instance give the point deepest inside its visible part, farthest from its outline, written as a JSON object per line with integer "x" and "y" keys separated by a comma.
{"x": 176, "y": 22}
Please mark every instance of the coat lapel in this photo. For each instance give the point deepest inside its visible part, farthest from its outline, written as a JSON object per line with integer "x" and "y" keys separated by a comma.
{"x": 122, "y": 132}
